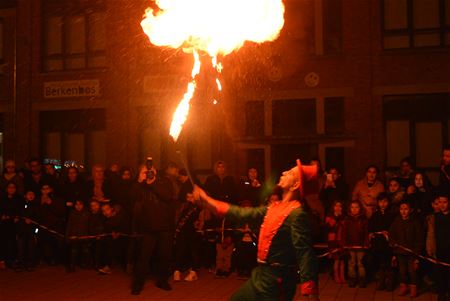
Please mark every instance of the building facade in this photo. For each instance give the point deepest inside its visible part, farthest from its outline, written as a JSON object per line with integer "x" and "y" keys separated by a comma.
{"x": 350, "y": 82}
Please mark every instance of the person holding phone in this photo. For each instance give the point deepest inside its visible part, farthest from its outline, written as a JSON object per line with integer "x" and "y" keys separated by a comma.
{"x": 334, "y": 188}
{"x": 154, "y": 222}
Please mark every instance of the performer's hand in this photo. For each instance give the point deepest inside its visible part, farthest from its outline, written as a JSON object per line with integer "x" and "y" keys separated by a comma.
{"x": 199, "y": 193}
{"x": 256, "y": 183}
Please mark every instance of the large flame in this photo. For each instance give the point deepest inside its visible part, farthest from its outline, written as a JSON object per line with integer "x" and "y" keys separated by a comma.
{"x": 217, "y": 27}
{"x": 182, "y": 111}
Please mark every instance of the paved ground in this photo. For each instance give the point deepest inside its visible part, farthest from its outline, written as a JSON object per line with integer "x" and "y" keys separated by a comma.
{"x": 52, "y": 283}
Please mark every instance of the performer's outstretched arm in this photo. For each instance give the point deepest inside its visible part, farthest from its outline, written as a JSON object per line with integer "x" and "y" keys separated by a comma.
{"x": 232, "y": 212}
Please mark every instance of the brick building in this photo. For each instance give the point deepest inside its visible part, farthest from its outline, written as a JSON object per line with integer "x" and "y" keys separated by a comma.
{"x": 351, "y": 82}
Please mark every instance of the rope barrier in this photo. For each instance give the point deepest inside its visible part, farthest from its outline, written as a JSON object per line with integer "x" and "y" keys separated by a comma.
{"x": 223, "y": 229}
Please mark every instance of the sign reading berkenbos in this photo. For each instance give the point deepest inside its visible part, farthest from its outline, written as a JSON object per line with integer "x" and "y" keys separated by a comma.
{"x": 73, "y": 88}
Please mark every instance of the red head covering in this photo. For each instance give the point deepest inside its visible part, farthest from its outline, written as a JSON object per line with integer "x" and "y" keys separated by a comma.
{"x": 308, "y": 178}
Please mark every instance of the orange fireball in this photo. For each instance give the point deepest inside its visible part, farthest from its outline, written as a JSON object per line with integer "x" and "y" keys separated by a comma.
{"x": 217, "y": 27}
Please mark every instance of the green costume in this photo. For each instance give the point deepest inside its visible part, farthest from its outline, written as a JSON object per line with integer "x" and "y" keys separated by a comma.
{"x": 285, "y": 252}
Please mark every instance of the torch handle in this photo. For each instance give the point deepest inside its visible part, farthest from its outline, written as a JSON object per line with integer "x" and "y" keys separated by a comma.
{"x": 183, "y": 162}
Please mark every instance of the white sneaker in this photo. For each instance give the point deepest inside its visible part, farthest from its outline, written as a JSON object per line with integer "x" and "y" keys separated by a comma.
{"x": 177, "y": 276}
{"x": 106, "y": 270}
{"x": 192, "y": 276}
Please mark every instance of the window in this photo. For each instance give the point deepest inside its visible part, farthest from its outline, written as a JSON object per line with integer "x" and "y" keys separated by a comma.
{"x": 415, "y": 23}
{"x": 416, "y": 126}
{"x": 299, "y": 25}
{"x": 335, "y": 157}
{"x": 75, "y": 135}
{"x": 334, "y": 115}
{"x": 332, "y": 26}
{"x": 74, "y": 36}
{"x": 254, "y": 118}
{"x": 294, "y": 117}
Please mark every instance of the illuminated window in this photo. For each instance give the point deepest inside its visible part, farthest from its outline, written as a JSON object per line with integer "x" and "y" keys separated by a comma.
{"x": 74, "y": 36}
{"x": 415, "y": 23}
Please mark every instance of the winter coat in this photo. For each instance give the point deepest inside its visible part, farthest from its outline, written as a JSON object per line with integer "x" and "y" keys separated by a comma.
{"x": 222, "y": 189}
{"x": 28, "y": 210}
{"x": 380, "y": 221}
{"x": 153, "y": 206}
{"x": 442, "y": 234}
{"x": 355, "y": 231}
{"x": 96, "y": 223}
{"x": 367, "y": 195}
{"x": 430, "y": 244}
{"x": 52, "y": 215}
{"x": 78, "y": 223}
{"x": 74, "y": 191}
{"x": 407, "y": 233}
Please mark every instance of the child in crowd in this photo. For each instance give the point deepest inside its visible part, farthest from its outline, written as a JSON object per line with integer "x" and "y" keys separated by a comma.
{"x": 430, "y": 243}
{"x": 114, "y": 247}
{"x": 10, "y": 205}
{"x": 441, "y": 247}
{"x": 406, "y": 230}
{"x": 26, "y": 233}
{"x": 355, "y": 236}
{"x": 224, "y": 252}
{"x": 51, "y": 212}
{"x": 187, "y": 243}
{"x": 379, "y": 225}
{"x": 210, "y": 239}
{"x": 77, "y": 225}
{"x": 334, "y": 223}
{"x": 96, "y": 227}
{"x": 430, "y": 269}
{"x": 246, "y": 249}
{"x": 396, "y": 194}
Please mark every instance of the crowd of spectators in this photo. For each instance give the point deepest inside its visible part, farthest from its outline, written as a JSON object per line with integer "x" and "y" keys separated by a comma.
{"x": 376, "y": 231}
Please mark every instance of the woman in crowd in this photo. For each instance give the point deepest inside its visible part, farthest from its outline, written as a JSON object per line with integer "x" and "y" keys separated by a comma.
{"x": 420, "y": 194}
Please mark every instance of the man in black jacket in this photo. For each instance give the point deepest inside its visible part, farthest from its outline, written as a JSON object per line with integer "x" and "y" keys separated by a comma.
{"x": 153, "y": 219}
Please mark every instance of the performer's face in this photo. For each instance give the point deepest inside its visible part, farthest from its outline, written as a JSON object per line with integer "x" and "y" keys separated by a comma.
{"x": 289, "y": 178}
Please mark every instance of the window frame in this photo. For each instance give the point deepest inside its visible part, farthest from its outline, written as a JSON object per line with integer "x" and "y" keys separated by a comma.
{"x": 65, "y": 13}
{"x": 411, "y": 32}
{"x": 412, "y": 121}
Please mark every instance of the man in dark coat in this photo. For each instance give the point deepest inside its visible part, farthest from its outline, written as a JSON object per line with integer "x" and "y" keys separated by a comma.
{"x": 154, "y": 220}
